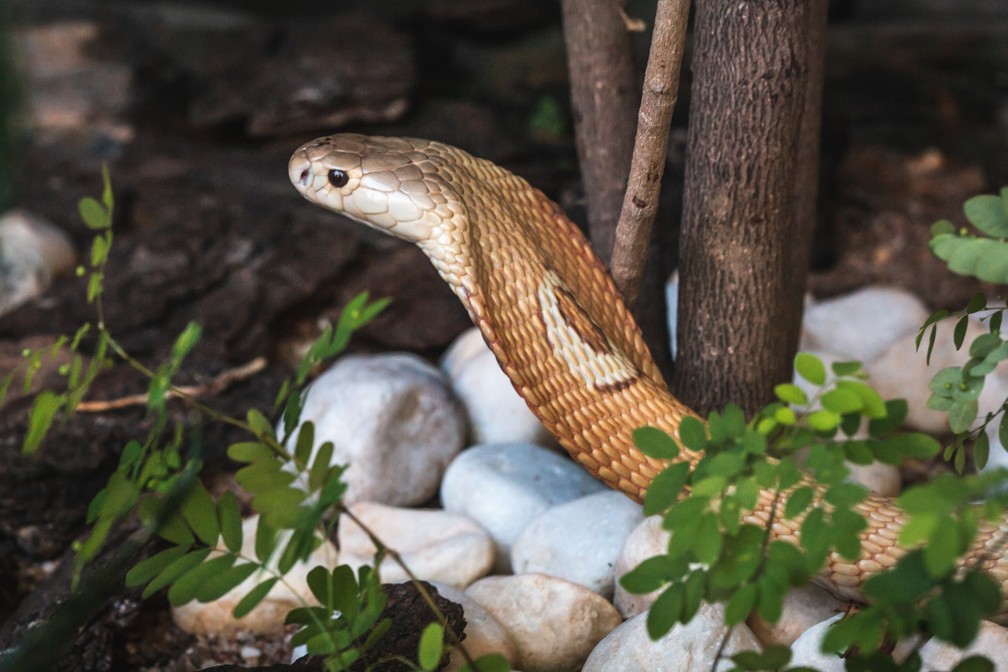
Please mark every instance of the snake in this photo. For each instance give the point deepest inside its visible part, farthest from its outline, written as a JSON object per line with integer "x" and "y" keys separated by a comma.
{"x": 555, "y": 321}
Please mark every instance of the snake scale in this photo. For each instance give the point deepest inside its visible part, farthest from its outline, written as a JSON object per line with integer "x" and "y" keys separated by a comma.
{"x": 552, "y": 316}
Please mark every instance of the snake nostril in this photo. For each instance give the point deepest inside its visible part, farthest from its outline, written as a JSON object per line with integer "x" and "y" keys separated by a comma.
{"x": 304, "y": 177}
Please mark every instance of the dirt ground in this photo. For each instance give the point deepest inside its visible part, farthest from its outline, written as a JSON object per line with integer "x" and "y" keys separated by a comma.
{"x": 196, "y": 108}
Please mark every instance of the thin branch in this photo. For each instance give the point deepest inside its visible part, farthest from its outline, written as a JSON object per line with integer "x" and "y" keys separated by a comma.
{"x": 640, "y": 202}
{"x": 220, "y": 383}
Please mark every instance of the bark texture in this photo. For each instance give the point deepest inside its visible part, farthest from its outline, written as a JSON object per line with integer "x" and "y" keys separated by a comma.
{"x": 749, "y": 67}
{"x": 807, "y": 172}
{"x": 604, "y": 100}
{"x": 640, "y": 203}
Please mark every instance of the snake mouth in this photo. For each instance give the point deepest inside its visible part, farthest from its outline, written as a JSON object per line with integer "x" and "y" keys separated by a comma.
{"x": 300, "y": 172}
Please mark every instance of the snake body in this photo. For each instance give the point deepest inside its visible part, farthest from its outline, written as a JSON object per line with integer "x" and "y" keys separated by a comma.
{"x": 552, "y": 316}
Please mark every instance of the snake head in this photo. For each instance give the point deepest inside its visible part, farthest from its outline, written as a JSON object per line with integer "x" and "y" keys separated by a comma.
{"x": 389, "y": 184}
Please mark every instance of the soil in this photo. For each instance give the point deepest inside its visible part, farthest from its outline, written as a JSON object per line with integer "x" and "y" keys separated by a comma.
{"x": 195, "y": 109}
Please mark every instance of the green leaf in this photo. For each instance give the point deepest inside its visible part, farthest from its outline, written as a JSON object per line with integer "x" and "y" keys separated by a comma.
{"x": 981, "y": 450}
{"x": 199, "y": 513}
{"x": 988, "y": 214}
{"x": 94, "y": 214}
{"x": 1003, "y": 431}
{"x": 649, "y": 575}
{"x": 186, "y": 586}
{"x": 976, "y": 663}
{"x": 259, "y": 424}
{"x": 250, "y": 451}
{"x": 810, "y": 368}
{"x": 977, "y": 303}
{"x": 982, "y": 258}
{"x": 220, "y": 583}
{"x": 229, "y": 520}
{"x": 254, "y": 597}
{"x": 265, "y": 540}
{"x": 961, "y": 415}
{"x": 798, "y": 502}
{"x": 43, "y": 411}
{"x": 942, "y": 548}
{"x": 707, "y": 546}
{"x": 895, "y": 414}
{"x": 431, "y": 649}
{"x": 872, "y": 404}
{"x": 841, "y": 401}
{"x": 692, "y": 433}
{"x": 842, "y": 369}
{"x": 666, "y": 488}
{"x": 665, "y": 611}
{"x": 791, "y": 394}
{"x": 303, "y": 446}
{"x": 823, "y": 420}
{"x": 186, "y": 341}
{"x": 740, "y": 604}
{"x": 655, "y": 443}
{"x": 320, "y": 582}
{"x": 174, "y": 570}
{"x": 146, "y": 570}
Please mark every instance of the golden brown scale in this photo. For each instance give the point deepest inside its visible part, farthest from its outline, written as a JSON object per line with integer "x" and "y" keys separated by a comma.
{"x": 552, "y": 316}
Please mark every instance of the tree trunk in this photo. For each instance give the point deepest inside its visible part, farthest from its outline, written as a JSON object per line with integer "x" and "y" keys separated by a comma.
{"x": 749, "y": 69}
{"x": 604, "y": 102}
{"x": 807, "y": 172}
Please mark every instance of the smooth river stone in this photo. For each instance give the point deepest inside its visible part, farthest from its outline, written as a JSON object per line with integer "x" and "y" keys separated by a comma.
{"x": 496, "y": 413}
{"x": 645, "y": 541}
{"x": 553, "y": 623}
{"x": 693, "y": 646}
{"x": 861, "y": 325}
{"x": 578, "y": 541}
{"x": 393, "y": 419}
{"x": 484, "y": 634}
{"x": 436, "y": 545}
{"x": 504, "y": 486}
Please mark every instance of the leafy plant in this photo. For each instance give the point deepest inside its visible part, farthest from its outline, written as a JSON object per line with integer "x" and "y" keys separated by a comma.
{"x": 721, "y": 548}
{"x": 294, "y": 487}
{"x": 956, "y": 389}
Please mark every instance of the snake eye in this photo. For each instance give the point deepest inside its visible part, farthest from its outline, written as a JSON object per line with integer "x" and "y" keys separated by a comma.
{"x": 338, "y": 178}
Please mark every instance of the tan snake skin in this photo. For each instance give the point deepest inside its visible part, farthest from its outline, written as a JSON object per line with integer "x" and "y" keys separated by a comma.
{"x": 551, "y": 314}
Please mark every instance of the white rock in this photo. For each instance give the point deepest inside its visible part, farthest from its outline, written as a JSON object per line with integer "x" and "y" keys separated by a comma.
{"x": 484, "y": 634}
{"x": 216, "y": 617}
{"x": 393, "y": 419}
{"x": 803, "y": 607}
{"x": 578, "y": 541}
{"x": 553, "y": 623}
{"x": 885, "y": 479}
{"x": 693, "y": 646}
{"x": 32, "y": 253}
{"x": 901, "y": 371}
{"x": 504, "y": 486}
{"x": 991, "y": 641}
{"x": 806, "y": 648}
{"x": 435, "y": 545}
{"x": 496, "y": 412}
{"x": 860, "y": 325}
{"x": 646, "y": 540}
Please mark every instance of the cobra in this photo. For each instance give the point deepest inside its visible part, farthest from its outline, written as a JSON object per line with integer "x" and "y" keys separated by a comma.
{"x": 552, "y": 316}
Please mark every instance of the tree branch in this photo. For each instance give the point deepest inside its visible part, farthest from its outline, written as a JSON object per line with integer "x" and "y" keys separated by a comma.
{"x": 603, "y": 98}
{"x": 640, "y": 203}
